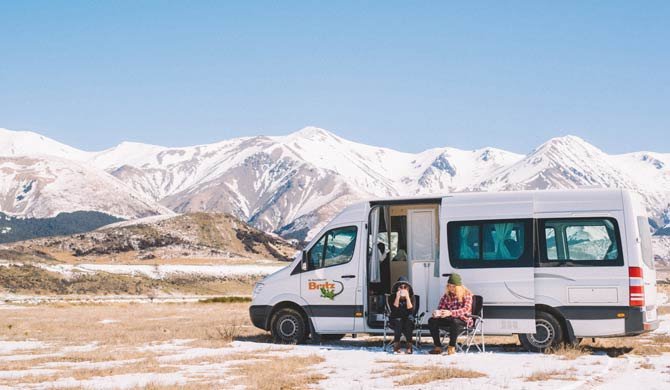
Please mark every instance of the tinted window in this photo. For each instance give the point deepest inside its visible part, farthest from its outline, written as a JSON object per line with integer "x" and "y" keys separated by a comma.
{"x": 316, "y": 254}
{"x": 645, "y": 241}
{"x": 550, "y": 236}
{"x": 580, "y": 241}
{"x": 490, "y": 244}
{"x": 333, "y": 248}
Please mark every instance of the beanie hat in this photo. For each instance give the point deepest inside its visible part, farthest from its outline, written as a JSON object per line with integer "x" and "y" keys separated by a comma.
{"x": 455, "y": 279}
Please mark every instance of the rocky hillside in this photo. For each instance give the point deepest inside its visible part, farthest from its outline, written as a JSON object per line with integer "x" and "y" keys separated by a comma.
{"x": 185, "y": 237}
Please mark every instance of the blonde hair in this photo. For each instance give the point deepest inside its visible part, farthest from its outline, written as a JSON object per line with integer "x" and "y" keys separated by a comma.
{"x": 460, "y": 292}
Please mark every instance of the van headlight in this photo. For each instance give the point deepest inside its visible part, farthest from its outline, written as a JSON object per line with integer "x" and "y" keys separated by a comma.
{"x": 257, "y": 290}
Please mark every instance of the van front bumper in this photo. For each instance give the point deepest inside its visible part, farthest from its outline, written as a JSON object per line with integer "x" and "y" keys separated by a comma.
{"x": 259, "y": 316}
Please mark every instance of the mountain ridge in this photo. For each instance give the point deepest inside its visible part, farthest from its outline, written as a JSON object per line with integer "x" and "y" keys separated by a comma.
{"x": 292, "y": 184}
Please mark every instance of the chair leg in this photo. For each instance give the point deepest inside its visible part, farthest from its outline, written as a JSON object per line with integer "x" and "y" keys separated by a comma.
{"x": 384, "y": 346}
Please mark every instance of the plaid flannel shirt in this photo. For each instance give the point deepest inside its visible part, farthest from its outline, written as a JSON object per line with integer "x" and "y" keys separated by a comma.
{"x": 458, "y": 309}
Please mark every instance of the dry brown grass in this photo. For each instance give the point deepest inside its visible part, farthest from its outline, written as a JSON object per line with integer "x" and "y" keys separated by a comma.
{"x": 568, "y": 352}
{"x": 418, "y": 375}
{"x": 135, "y": 343}
{"x": 137, "y": 323}
{"x": 279, "y": 372}
{"x": 541, "y": 376}
{"x": 32, "y": 280}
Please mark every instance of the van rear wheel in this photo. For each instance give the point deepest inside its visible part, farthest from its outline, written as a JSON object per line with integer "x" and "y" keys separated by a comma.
{"x": 289, "y": 327}
{"x": 548, "y": 333}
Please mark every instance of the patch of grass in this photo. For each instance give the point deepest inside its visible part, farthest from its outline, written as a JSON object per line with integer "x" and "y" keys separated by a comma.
{"x": 28, "y": 279}
{"x": 279, "y": 372}
{"x": 541, "y": 376}
{"x": 419, "y": 375}
{"x": 230, "y": 299}
{"x": 568, "y": 352}
{"x": 226, "y": 333}
{"x": 661, "y": 339}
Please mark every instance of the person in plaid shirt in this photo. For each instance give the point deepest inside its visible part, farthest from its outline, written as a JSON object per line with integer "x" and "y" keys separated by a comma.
{"x": 453, "y": 314}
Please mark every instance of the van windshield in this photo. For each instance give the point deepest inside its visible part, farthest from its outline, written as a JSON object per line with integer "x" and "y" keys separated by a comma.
{"x": 645, "y": 241}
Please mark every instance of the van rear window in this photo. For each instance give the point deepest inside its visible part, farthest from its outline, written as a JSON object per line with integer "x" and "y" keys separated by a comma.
{"x": 580, "y": 242}
{"x": 645, "y": 240}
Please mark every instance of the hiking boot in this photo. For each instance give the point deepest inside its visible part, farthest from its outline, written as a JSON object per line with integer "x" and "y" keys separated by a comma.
{"x": 396, "y": 347}
{"x": 409, "y": 349}
{"x": 451, "y": 350}
{"x": 435, "y": 351}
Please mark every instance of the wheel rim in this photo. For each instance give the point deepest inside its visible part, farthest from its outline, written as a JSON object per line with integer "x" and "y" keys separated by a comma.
{"x": 544, "y": 334}
{"x": 288, "y": 327}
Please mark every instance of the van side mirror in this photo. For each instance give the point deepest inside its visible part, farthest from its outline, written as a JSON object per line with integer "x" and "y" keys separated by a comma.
{"x": 303, "y": 261}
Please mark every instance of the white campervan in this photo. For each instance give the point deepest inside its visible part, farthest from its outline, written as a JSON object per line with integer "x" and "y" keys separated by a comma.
{"x": 551, "y": 266}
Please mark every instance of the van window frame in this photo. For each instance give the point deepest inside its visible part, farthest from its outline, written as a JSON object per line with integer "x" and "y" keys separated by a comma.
{"x": 545, "y": 262}
{"x": 325, "y": 246}
{"x": 525, "y": 260}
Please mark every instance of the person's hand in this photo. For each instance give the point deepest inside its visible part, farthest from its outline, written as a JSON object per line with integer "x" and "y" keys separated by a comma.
{"x": 403, "y": 293}
{"x": 445, "y": 313}
{"x": 436, "y": 313}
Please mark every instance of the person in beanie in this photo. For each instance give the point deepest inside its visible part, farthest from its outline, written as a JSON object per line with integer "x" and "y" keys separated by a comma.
{"x": 453, "y": 313}
{"x": 402, "y": 313}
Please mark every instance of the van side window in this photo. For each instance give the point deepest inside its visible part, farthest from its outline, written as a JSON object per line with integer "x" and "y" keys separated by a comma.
{"x": 490, "y": 244}
{"x": 333, "y": 248}
{"x": 580, "y": 242}
{"x": 645, "y": 241}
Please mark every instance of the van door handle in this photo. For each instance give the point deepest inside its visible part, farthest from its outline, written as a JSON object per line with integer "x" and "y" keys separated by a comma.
{"x": 446, "y": 275}
{"x": 348, "y": 276}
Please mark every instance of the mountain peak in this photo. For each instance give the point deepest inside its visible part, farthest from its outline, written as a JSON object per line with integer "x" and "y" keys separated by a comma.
{"x": 28, "y": 143}
{"x": 567, "y": 143}
{"x": 312, "y": 132}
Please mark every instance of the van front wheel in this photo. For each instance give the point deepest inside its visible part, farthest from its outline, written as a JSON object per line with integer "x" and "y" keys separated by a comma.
{"x": 548, "y": 333}
{"x": 288, "y": 327}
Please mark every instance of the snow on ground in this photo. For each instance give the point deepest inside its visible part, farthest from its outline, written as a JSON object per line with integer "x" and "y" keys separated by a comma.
{"x": 12, "y": 346}
{"x": 158, "y": 271}
{"x": 162, "y": 271}
{"x": 107, "y": 321}
{"x": 354, "y": 364}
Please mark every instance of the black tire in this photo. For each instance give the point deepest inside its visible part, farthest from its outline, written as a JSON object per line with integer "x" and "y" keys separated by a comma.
{"x": 548, "y": 333}
{"x": 332, "y": 337}
{"x": 289, "y": 327}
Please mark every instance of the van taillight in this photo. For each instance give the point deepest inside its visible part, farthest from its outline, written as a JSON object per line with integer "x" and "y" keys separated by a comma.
{"x": 636, "y": 286}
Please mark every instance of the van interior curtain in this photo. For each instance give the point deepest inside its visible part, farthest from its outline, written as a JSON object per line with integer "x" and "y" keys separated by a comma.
{"x": 502, "y": 232}
{"x": 374, "y": 271}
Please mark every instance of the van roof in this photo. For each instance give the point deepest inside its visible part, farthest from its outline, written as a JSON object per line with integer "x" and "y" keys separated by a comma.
{"x": 505, "y": 195}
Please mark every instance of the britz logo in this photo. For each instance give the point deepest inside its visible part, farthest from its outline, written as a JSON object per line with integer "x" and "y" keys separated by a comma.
{"x": 326, "y": 287}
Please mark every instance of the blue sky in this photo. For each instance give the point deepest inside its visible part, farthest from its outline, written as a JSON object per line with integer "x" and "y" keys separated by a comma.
{"x": 406, "y": 75}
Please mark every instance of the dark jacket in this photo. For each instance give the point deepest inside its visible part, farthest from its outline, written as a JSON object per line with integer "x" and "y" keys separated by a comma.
{"x": 402, "y": 311}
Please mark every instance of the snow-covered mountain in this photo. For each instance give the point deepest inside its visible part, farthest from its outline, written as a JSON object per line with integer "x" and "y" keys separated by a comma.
{"x": 27, "y": 143}
{"x": 44, "y": 186}
{"x": 40, "y": 178}
{"x": 292, "y": 184}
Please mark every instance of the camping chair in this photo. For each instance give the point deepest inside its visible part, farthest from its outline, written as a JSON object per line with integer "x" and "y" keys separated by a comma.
{"x": 471, "y": 334}
{"x": 388, "y": 328}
